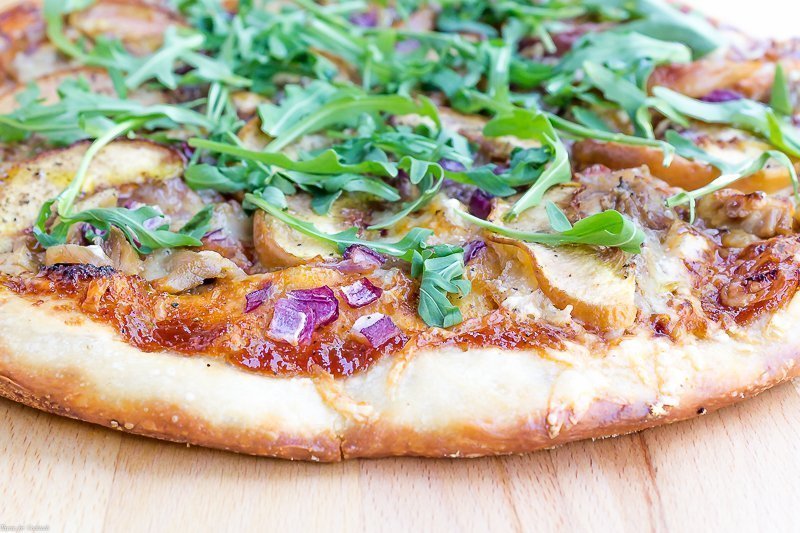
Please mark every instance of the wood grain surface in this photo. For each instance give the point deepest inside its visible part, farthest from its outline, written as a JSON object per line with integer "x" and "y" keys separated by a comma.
{"x": 735, "y": 470}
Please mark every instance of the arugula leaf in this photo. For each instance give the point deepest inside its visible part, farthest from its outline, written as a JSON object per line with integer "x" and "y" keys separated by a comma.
{"x": 627, "y": 94}
{"x": 428, "y": 176}
{"x": 441, "y": 272}
{"x": 781, "y": 100}
{"x": 578, "y": 131}
{"x": 134, "y": 224}
{"x": 527, "y": 124}
{"x": 348, "y": 108}
{"x": 731, "y": 173}
{"x": 66, "y": 121}
{"x": 298, "y": 103}
{"x": 590, "y": 120}
{"x": 199, "y": 224}
{"x": 619, "y": 51}
{"x": 327, "y": 162}
{"x": 403, "y": 249}
{"x": 607, "y": 228}
{"x": 67, "y": 197}
{"x": 661, "y": 20}
{"x": 745, "y": 114}
{"x": 180, "y": 47}
{"x": 440, "y": 268}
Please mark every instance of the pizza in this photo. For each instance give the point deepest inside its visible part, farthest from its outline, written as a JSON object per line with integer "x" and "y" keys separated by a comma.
{"x": 328, "y": 230}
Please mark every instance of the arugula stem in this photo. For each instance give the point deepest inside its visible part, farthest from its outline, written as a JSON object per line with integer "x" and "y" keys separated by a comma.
{"x": 67, "y": 198}
{"x": 582, "y": 132}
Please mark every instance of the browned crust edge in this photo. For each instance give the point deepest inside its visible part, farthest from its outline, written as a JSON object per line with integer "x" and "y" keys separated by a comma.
{"x": 603, "y": 419}
{"x": 376, "y": 440}
{"x": 154, "y": 419}
{"x": 72, "y": 391}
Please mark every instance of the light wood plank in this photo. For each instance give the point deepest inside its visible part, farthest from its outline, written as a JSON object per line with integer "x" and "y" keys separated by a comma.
{"x": 55, "y": 471}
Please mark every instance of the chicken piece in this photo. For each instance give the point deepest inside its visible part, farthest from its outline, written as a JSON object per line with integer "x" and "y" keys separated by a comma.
{"x": 278, "y": 245}
{"x": 123, "y": 256}
{"x": 21, "y": 28}
{"x": 76, "y": 255}
{"x": 176, "y": 200}
{"x": 755, "y": 214}
{"x": 139, "y": 25}
{"x": 187, "y": 270}
{"x": 98, "y": 79}
{"x": 20, "y": 259}
{"x": 29, "y": 184}
{"x": 633, "y": 192}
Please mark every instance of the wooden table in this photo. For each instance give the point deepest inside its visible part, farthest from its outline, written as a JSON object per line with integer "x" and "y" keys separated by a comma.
{"x": 734, "y": 470}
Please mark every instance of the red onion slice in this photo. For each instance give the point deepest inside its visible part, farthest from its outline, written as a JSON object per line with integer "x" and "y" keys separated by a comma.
{"x": 361, "y": 293}
{"x": 216, "y": 235}
{"x": 407, "y": 46}
{"x": 480, "y": 204}
{"x": 719, "y": 96}
{"x": 377, "y": 328}
{"x": 323, "y": 302}
{"x": 472, "y": 249}
{"x": 155, "y": 223}
{"x": 292, "y": 322}
{"x": 358, "y": 258}
{"x": 452, "y": 166}
{"x": 255, "y": 299}
{"x": 359, "y": 253}
{"x": 366, "y": 19}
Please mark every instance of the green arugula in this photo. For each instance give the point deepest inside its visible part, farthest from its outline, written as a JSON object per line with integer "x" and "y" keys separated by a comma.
{"x": 745, "y": 114}
{"x": 781, "y": 100}
{"x": 439, "y": 268}
{"x": 180, "y": 47}
{"x": 661, "y": 20}
{"x": 607, "y": 228}
{"x": 136, "y": 224}
{"x": 730, "y": 173}
{"x": 526, "y": 124}
{"x": 78, "y": 111}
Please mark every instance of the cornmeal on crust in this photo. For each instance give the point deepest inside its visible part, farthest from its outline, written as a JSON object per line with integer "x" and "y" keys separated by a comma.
{"x": 327, "y": 231}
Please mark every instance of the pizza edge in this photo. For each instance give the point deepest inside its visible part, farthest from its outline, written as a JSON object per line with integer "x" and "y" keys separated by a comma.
{"x": 94, "y": 376}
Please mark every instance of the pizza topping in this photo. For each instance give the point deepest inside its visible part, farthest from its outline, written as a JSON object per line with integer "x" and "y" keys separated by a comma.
{"x": 359, "y": 258}
{"x": 480, "y": 204}
{"x": 472, "y": 249}
{"x": 755, "y": 214}
{"x": 721, "y": 95}
{"x": 378, "y": 329}
{"x": 361, "y": 293}
{"x": 322, "y": 301}
{"x": 255, "y": 299}
{"x": 75, "y": 254}
{"x": 293, "y": 322}
{"x": 761, "y": 278}
{"x": 375, "y": 143}
{"x": 188, "y": 270}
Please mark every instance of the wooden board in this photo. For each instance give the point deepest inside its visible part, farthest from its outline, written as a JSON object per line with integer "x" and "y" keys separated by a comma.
{"x": 733, "y": 470}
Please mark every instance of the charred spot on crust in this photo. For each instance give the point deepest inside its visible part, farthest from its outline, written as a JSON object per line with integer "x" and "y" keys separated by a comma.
{"x": 701, "y": 411}
{"x": 71, "y": 273}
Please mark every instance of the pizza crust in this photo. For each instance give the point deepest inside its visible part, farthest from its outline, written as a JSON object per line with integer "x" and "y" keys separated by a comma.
{"x": 442, "y": 402}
